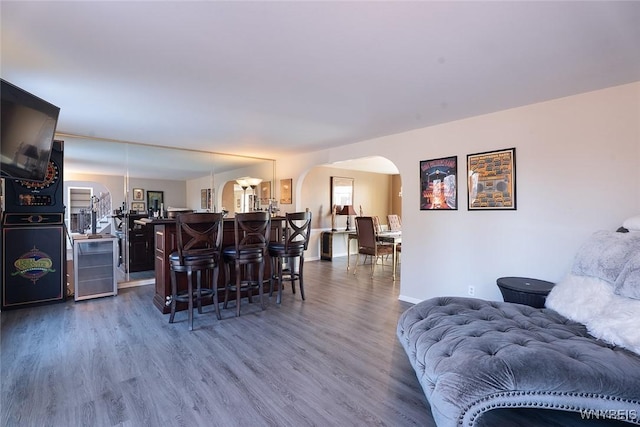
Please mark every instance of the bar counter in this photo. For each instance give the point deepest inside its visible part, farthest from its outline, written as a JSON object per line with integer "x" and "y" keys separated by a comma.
{"x": 165, "y": 242}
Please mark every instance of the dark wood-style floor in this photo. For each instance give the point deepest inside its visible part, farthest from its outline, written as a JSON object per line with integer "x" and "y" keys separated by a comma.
{"x": 332, "y": 360}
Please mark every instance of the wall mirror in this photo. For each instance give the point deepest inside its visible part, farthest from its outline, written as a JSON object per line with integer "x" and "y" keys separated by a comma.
{"x": 112, "y": 170}
{"x": 341, "y": 191}
{"x": 182, "y": 174}
{"x": 255, "y": 195}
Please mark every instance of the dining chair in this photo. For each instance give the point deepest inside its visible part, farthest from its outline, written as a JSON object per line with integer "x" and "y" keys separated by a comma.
{"x": 368, "y": 244}
{"x": 198, "y": 239}
{"x": 395, "y": 223}
{"x": 376, "y": 223}
{"x": 251, "y": 239}
{"x": 291, "y": 249}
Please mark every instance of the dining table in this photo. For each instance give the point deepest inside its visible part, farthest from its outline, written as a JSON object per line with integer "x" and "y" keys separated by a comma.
{"x": 392, "y": 237}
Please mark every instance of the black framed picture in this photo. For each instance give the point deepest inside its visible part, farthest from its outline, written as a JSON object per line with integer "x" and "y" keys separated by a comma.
{"x": 439, "y": 184}
{"x": 155, "y": 199}
{"x": 492, "y": 180}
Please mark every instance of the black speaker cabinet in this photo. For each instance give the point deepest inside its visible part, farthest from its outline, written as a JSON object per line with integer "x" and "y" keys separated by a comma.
{"x": 33, "y": 262}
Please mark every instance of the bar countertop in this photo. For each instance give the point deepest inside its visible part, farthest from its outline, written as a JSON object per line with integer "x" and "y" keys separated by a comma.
{"x": 160, "y": 221}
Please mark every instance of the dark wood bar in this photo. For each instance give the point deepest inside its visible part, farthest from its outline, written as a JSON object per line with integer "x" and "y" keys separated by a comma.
{"x": 164, "y": 231}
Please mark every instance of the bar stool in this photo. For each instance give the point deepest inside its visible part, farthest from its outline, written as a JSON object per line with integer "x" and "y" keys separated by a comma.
{"x": 295, "y": 242}
{"x": 199, "y": 240}
{"x": 251, "y": 234}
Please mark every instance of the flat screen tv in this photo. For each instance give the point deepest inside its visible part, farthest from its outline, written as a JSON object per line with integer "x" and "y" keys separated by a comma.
{"x": 27, "y": 128}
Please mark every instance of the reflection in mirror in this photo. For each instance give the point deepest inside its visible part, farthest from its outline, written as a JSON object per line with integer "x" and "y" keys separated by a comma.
{"x": 186, "y": 179}
{"x": 236, "y": 197}
{"x": 81, "y": 166}
{"x": 341, "y": 191}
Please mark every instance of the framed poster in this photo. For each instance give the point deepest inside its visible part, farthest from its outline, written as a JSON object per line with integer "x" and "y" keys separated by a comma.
{"x": 205, "y": 198}
{"x": 285, "y": 191}
{"x": 439, "y": 184}
{"x": 265, "y": 192}
{"x": 155, "y": 199}
{"x": 138, "y": 195}
{"x": 137, "y": 206}
{"x": 492, "y": 180}
{"x": 341, "y": 191}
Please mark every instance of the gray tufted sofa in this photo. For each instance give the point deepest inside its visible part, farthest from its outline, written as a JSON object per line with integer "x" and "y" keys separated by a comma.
{"x": 472, "y": 356}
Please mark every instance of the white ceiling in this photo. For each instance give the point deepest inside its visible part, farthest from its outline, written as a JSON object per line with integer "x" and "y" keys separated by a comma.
{"x": 269, "y": 79}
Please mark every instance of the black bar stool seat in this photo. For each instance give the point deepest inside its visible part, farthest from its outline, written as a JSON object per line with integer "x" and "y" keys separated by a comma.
{"x": 251, "y": 237}
{"x": 290, "y": 249}
{"x": 199, "y": 238}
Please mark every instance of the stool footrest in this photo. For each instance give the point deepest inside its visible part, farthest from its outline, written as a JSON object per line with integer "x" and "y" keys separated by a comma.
{"x": 184, "y": 295}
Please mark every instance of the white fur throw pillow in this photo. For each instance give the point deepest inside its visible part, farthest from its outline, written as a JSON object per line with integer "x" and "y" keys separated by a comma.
{"x": 604, "y": 254}
{"x": 628, "y": 282}
{"x": 592, "y": 302}
{"x": 613, "y": 257}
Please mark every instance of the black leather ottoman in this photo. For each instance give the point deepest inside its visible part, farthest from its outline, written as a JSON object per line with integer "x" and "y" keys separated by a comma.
{"x": 524, "y": 290}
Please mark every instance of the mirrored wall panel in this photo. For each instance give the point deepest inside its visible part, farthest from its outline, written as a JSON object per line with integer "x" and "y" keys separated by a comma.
{"x": 130, "y": 181}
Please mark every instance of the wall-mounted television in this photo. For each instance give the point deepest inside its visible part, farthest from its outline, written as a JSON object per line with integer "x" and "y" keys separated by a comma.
{"x": 27, "y": 128}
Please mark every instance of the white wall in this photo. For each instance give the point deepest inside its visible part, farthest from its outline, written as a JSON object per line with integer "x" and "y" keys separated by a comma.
{"x": 113, "y": 184}
{"x": 174, "y": 191}
{"x": 194, "y": 188}
{"x": 577, "y": 171}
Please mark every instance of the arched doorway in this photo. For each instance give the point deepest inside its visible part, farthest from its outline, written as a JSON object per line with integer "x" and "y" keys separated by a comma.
{"x": 377, "y": 192}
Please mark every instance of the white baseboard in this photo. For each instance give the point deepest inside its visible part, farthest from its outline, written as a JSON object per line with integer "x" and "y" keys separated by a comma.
{"x": 135, "y": 283}
{"x": 409, "y": 299}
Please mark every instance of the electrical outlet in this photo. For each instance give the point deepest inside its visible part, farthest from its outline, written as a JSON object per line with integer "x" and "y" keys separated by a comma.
{"x": 472, "y": 290}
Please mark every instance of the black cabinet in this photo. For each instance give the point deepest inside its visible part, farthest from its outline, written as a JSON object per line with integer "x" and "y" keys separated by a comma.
{"x": 141, "y": 249}
{"x": 136, "y": 243}
{"x": 33, "y": 259}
